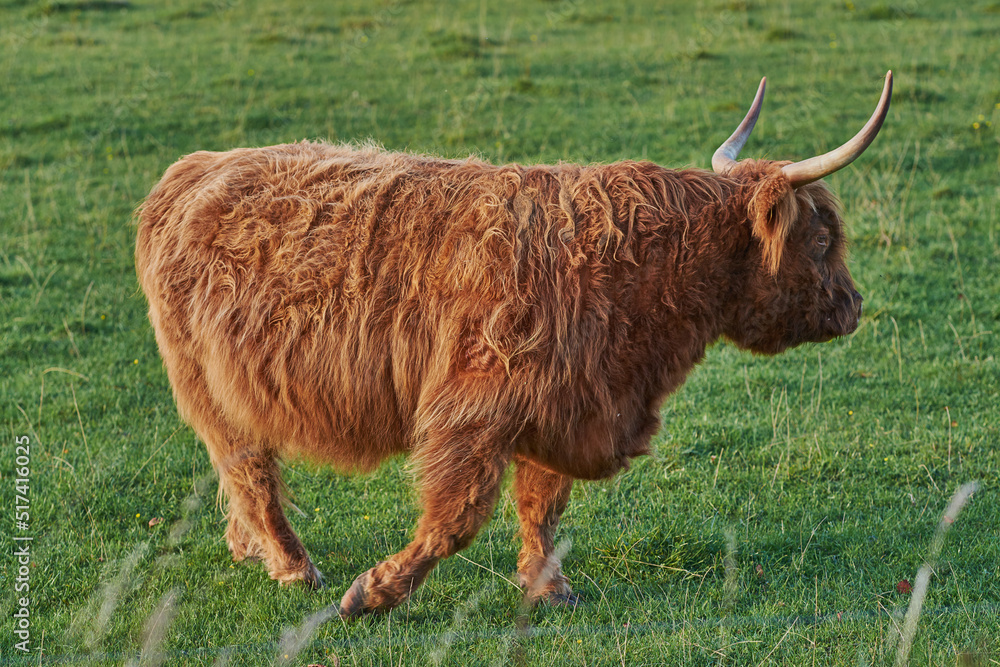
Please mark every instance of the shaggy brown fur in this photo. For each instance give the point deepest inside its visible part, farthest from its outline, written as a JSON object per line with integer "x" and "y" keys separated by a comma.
{"x": 348, "y": 304}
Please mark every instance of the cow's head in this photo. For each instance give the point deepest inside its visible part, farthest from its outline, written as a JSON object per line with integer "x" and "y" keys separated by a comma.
{"x": 797, "y": 288}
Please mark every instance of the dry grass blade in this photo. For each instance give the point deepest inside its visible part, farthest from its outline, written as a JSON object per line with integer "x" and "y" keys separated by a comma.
{"x": 462, "y": 612}
{"x": 295, "y": 639}
{"x": 112, "y": 592}
{"x": 924, "y": 574}
{"x": 156, "y": 630}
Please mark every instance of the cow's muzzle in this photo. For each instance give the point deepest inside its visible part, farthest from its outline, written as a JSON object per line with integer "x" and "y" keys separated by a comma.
{"x": 845, "y": 317}
{"x": 858, "y": 307}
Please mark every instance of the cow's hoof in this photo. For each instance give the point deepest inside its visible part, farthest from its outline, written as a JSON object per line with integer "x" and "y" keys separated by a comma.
{"x": 309, "y": 575}
{"x": 559, "y": 599}
{"x": 555, "y": 592}
{"x": 352, "y": 604}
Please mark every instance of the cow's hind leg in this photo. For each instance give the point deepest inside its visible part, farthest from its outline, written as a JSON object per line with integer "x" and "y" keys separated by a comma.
{"x": 461, "y": 472}
{"x": 258, "y": 527}
{"x": 541, "y": 498}
{"x": 248, "y": 476}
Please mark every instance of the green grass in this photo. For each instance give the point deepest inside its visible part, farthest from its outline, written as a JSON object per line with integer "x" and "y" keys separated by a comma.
{"x": 786, "y": 496}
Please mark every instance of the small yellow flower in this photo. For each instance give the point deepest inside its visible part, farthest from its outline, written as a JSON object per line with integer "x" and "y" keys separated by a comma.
{"x": 102, "y": 317}
{"x": 975, "y": 126}
{"x": 886, "y": 459}
{"x": 250, "y": 72}
{"x": 850, "y": 412}
{"x": 135, "y": 362}
{"x": 366, "y": 517}
{"x": 138, "y": 515}
{"x": 981, "y": 117}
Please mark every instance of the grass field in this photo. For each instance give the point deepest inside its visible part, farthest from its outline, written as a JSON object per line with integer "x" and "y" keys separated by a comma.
{"x": 786, "y": 497}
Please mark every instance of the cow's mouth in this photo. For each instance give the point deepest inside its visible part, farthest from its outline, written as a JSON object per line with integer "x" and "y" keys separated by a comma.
{"x": 844, "y": 320}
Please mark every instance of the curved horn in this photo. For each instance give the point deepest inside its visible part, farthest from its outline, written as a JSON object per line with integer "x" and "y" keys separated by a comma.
{"x": 815, "y": 168}
{"x": 724, "y": 158}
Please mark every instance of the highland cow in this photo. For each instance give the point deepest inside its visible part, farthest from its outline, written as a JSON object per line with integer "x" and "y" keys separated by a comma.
{"x": 349, "y": 304}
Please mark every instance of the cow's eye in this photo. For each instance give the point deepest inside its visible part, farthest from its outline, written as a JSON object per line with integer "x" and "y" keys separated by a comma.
{"x": 823, "y": 240}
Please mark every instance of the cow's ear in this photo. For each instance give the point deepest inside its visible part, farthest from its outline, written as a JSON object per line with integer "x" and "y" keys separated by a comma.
{"x": 773, "y": 212}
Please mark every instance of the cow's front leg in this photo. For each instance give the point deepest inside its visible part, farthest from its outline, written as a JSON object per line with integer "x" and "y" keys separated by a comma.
{"x": 460, "y": 475}
{"x": 541, "y": 498}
